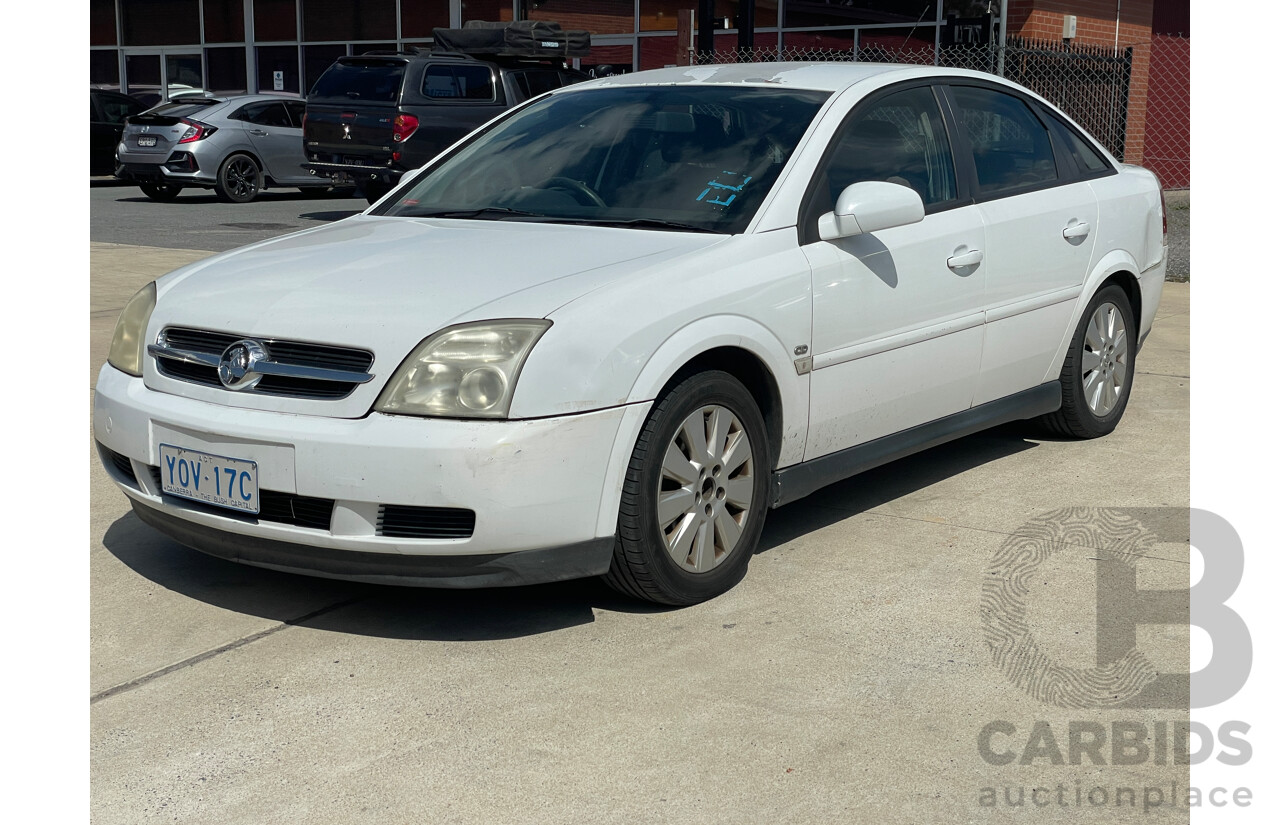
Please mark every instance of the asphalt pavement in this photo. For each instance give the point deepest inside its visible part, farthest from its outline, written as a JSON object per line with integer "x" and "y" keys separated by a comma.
{"x": 847, "y": 679}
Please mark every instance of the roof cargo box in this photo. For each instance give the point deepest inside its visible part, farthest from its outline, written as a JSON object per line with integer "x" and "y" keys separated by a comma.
{"x": 523, "y": 38}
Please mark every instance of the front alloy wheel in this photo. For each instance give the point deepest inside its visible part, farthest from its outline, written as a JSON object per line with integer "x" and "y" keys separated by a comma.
{"x": 706, "y": 489}
{"x": 694, "y": 497}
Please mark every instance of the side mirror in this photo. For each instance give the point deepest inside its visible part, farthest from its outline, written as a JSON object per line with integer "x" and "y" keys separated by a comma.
{"x": 870, "y": 206}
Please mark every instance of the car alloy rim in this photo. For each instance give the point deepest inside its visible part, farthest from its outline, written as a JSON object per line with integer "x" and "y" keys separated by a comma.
{"x": 1105, "y": 360}
{"x": 706, "y": 488}
{"x": 242, "y": 177}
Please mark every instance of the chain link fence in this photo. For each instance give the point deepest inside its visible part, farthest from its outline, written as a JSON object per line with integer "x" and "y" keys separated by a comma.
{"x": 1135, "y": 100}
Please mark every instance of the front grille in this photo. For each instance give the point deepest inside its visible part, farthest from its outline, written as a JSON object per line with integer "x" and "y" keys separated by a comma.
{"x": 398, "y": 521}
{"x": 292, "y": 353}
{"x": 282, "y": 508}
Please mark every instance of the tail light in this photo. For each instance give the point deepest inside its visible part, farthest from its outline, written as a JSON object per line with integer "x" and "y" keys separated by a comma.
{"x": 403, "y": 128}
{"x": 1164, "y": 216}
{"x": 196, "y": 131}
{"x": 304, "y": 122}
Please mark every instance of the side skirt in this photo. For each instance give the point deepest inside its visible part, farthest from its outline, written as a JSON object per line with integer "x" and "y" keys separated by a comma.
{"x": 799, "y": 480}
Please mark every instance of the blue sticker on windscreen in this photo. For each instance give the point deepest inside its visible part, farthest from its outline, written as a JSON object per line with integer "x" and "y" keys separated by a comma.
{"x": 723, "y": 189}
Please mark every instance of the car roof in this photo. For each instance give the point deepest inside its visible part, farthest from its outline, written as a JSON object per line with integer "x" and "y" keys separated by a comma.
{"x": 826, "y": 77}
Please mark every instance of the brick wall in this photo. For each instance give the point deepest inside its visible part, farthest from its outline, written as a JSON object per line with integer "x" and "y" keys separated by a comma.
{"x": 1096, "y": 25}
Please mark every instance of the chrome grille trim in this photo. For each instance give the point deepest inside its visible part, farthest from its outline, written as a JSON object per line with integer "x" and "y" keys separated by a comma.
{"x": 293, "y": 368}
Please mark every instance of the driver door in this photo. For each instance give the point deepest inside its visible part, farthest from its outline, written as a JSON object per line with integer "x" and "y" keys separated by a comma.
{"x": 898, "y": 313}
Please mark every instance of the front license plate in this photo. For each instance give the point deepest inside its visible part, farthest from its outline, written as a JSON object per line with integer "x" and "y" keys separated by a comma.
{"x": 147, "y": 140}
{"x": 213, "y": 479}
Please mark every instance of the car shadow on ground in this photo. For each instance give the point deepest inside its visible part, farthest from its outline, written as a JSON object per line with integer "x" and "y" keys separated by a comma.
{"x": 503, "y": 613}
{"x": 205, "y": 197}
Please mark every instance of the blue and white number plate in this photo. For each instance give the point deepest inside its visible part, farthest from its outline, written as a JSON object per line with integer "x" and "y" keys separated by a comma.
{"x": 213, "y": 479}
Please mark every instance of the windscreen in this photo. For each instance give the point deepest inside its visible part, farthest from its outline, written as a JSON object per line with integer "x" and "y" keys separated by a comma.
{"x": 699, "y": 158}
{"x": 376, "y": 80}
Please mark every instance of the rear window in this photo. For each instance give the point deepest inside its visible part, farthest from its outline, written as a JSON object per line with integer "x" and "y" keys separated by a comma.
{"x": 183, "y": 108}
{"x": 376, "y": 80}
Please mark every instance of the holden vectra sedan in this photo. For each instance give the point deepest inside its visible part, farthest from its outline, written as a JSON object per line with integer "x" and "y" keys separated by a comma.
{"x": 608, "y": 331}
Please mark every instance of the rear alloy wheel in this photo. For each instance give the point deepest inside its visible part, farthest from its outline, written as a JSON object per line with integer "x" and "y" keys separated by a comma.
{"x": 1097, "y": 374}
{"x": 162, "y": 192}
{"x": 239, "y": 179}
{"x": 694, "y": 497}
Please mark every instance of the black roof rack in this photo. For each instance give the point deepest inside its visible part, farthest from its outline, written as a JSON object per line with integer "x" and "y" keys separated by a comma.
{"x": 523, "y": 38}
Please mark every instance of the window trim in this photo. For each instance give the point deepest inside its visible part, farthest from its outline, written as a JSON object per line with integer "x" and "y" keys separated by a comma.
{"x": 1068, "y": 172}
{"x": 807, "y": 217}
{"x": 1087, "y": 139}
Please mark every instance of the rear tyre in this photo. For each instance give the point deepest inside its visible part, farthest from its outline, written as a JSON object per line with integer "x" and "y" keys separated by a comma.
{"x": 239, "y": 179}
{"x": 162, "y": 192}
{"x": 1097, "y": 374}
{"x": 694, "y": 497}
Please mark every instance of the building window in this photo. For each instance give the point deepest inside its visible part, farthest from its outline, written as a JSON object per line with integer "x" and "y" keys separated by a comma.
{"x": 226, "y": 69}
{"x": 275, "y": 20}
{"x": 420, "y": 18}
{"x": 160, "y": 22}
{"x": 283, "y": 59}
{"x": 349, "y": 19}
{"x": 496, "y": 10}
{"x": 102, "y": 23}
{"x": 104, "y": 68}
{"x": 224, "y": 21}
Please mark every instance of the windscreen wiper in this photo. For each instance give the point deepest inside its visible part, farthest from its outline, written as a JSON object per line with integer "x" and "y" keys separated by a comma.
{"x": 487, "y": 212}
{"x": 638, "y": 223}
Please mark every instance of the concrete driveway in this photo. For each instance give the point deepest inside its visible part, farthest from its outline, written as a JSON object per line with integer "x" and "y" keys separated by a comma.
{"x": 845, "y": 680}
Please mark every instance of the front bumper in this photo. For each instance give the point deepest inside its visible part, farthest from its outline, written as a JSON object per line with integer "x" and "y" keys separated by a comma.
{"x": 535, "y": 487}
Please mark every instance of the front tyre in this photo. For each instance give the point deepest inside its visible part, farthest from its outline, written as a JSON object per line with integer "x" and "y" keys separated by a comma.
{"x": 162, "y": 192}
{"x": 1097, "y": 374}
{"x": 695, "y": 494}
{"x": 239, "y": 179}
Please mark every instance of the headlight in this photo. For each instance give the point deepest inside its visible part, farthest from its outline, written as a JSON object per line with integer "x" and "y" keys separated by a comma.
{"x": 127, "y": 344}
{"x": 467, "y": 371}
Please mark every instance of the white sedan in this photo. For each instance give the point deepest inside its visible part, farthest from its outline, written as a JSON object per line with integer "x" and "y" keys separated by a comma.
{"x": 608, "y": 331}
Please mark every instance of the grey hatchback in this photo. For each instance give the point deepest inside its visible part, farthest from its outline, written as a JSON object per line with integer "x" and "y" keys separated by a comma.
{"x": 236, "y": 145}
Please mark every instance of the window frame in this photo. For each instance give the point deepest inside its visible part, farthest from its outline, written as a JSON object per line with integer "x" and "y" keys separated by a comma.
{"x": 1068, "y": 171}
{"x": 807, "y": 223}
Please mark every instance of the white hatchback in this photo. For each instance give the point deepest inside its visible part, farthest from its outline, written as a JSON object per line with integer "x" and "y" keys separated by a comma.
{"x": 608, "y": 331}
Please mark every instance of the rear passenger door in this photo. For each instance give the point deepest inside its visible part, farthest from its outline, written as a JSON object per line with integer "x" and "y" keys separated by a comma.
{"x": 1041, "y": 220}
{"x": 276, "y": 139}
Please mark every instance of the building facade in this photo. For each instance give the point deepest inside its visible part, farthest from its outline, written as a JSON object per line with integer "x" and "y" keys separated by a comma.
{"x": 284, "y": 45}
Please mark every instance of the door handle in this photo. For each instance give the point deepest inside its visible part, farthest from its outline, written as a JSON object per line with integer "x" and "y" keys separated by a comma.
{"x": 1076, "y": 230}
{"x": 264, "y": 133}
{"x": 971, "y": 258}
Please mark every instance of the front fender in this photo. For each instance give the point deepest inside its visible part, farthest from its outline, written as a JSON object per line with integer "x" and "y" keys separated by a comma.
{"x": 679, "y": 349}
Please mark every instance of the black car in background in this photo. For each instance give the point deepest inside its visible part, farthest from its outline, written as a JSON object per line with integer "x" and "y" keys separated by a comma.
{"x": 107, "y": 111}
{"x": 371, "y": 118}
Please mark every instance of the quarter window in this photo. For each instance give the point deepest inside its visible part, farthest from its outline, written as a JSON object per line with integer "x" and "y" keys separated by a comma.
{"x": 899, "y": 139}
{"x": 1011, "y": 147}
{"x": 266, "y": 114}
{"x": 458, "y": 83}
{"x": 1086, "y": 157}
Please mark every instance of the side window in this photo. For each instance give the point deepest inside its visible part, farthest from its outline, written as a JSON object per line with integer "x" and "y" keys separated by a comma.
{"x": 266, "y": 114}
{"x": 533, "y": 83}
{"x": 297, "y": 108}
{"x": 1011, "y": 147}
{"x": 473, "y": 83}
{"x": 1086, "y": 157}
{"x": 900, "y": 139}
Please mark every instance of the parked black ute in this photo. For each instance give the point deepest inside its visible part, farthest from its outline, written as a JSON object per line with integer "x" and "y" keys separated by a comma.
{"x": 371, "y": 118}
